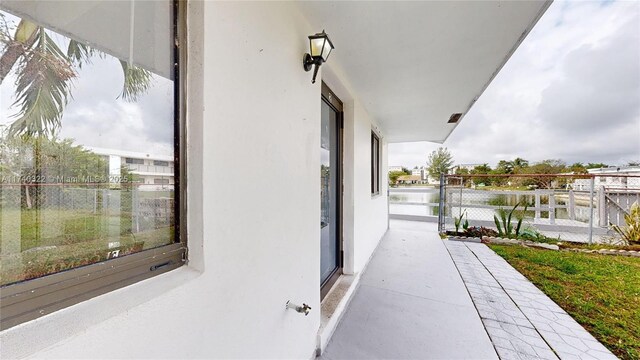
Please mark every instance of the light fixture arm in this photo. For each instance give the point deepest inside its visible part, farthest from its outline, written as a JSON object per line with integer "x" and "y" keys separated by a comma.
{"x": 308, "y": 62}
{"x": 315, "y": 72}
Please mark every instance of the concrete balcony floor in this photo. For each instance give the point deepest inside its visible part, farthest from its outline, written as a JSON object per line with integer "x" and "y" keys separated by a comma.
{"x": 424, "y": 298}
{"x": 411, "y": 304}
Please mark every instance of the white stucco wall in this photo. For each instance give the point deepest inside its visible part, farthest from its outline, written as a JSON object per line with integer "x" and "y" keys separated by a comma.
{"x": 253, "y": 241}
{"x": 370, "y": 211}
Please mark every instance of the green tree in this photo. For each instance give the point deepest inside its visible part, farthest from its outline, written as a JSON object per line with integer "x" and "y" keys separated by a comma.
{"x": 504, "y": 167}
{"x": 578, "y": 168}
{"x": 483, "y": 169}
{"x": 596, "y": 165}
{"x": 462, "y": 171}
{"x": 32, "y": 161}
{"x": 393, "y": 176}
{"x": 520, "y": 163}
{"x": 439, "y": 162}
{"x": 548, "y": 167}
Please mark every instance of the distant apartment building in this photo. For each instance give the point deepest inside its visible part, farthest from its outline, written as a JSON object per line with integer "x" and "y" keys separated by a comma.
{"x": 152, "y": 172}
{"x": 468, "y": 167}
{"x": 395, "y": 168}
{"x": 611, "y": 181}
{"x": 420, "y": 171}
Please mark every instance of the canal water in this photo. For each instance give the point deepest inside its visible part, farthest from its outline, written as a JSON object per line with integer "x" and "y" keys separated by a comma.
{"x": 425, "y": 203}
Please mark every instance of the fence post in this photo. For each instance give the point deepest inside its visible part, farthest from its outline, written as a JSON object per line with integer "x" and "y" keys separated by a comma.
{"x": 135, "y": 208}
{"x": 572, "y": 205}
{"x": 552, "y": 207}
{"x": 602, "y": 207}
{"x": 591, "y": 210}
{"x": 537, "y": 204}
{"x": 441, "y": 206}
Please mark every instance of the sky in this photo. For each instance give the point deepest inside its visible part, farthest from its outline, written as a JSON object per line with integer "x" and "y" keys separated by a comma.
{"x": 95, "y": 115}
{"x": 571, "y": 91}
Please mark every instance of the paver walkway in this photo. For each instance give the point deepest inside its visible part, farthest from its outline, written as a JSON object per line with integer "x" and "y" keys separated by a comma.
{"x": 522, "y": 322}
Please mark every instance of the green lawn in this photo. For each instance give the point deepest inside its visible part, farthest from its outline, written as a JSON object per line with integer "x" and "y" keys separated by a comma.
{"x": 601, "y": 292}
{"x": 40, "y": 242}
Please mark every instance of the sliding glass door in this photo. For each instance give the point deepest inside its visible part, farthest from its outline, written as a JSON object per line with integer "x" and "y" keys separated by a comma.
{"x": 330, "y": 180}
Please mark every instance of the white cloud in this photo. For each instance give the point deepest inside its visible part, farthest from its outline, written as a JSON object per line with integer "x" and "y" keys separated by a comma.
{"x": 571, "y": 91}
{"x": 95, "y": 116}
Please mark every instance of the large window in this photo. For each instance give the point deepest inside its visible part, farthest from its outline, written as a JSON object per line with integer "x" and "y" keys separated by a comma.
{"x": 375, "y": 164}
{"x": 89, "y": 90}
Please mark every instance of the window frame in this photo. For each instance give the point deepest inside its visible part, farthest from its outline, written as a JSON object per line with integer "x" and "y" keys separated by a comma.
{"x": 30, "y": 299}
{"x": 375, "y": 164}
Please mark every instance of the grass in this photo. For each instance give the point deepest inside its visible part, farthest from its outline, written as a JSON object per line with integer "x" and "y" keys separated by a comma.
{"x": 577, "y": 245}
{"x": 40, "y": 242}
{"x": 601, "y": 292}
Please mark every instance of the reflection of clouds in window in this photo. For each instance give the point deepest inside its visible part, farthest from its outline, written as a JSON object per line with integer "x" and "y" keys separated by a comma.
{"x": 95, "y": 115}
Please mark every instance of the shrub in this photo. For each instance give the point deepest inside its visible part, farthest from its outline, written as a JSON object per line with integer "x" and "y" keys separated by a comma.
{"x": 504, "y": 225}
{"x": 479, "y": 232}
{"x": 631, "y": 232}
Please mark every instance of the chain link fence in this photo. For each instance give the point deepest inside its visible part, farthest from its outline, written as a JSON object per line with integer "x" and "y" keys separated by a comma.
{"x": 578, "y": 208}
{"x": 137, "y": 210}
{"x": 47, "y": 228}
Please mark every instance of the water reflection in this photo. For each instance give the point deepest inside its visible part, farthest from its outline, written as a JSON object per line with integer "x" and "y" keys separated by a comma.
{"x": 426, "y": 203}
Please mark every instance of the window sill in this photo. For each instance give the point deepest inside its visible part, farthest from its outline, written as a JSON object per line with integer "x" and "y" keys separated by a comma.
{"x": 30, "y": 337}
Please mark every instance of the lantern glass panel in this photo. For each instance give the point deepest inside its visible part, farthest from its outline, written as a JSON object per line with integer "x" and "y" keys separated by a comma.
{"x": 326, "y": 51}
{"x": 316, "y": 46}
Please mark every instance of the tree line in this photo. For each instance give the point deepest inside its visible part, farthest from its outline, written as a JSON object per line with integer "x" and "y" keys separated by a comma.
{"x": 440, "y": 161}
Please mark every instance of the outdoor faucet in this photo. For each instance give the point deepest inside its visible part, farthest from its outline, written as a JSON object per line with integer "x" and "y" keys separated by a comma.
{"x": 304, "y": 309}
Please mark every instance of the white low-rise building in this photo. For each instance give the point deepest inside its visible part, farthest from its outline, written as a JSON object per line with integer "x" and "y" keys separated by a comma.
{"x": 151, "y": 172}
{"x": 611, "y": 178}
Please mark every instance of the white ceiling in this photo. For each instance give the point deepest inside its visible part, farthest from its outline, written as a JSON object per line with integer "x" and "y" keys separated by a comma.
{"x": 138, "y": 31}
{"x": 413, "y": 64}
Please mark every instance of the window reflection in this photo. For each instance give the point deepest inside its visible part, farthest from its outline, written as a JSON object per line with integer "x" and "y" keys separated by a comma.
{"x": 86, "y": 152}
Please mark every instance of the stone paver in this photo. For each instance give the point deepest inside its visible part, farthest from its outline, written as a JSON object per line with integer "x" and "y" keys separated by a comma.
{"x": 522, "y": 322}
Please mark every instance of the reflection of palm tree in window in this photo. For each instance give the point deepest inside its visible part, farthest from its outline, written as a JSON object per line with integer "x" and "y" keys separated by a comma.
{"x": 44, "y": 74}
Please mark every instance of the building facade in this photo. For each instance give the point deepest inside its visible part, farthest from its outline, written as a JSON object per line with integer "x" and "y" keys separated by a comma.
{"x": 611, "y": 178}
{"x": 246, "y": 247}
{"x": 150, "y": 172}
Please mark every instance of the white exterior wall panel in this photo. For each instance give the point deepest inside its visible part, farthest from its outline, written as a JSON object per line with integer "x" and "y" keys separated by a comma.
{"x": 254, "y": 242}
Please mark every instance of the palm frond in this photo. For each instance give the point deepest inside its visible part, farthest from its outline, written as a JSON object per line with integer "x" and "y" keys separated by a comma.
{"x": 136, "y": 81}
{"x": 42, "y": 88}
{"x": 13, "y": 47}
{"x": 79, "y": 53}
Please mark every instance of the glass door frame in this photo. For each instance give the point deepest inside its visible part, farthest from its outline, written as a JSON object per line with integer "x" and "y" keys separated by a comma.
{"x": 330, "y": 98}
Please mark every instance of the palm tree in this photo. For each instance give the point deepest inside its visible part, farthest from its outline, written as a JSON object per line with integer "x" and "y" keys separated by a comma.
{"x": 520, "y": 163}
{"x": 43, "y": 77}
{"x": 44, "y": 74}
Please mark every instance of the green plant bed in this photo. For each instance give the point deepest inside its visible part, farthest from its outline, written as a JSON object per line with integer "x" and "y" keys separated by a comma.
{"x": 601, "y": 292}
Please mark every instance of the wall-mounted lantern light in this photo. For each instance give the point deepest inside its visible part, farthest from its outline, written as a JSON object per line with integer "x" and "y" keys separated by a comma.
{"x": 321, "y": 47}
